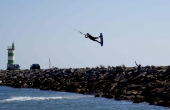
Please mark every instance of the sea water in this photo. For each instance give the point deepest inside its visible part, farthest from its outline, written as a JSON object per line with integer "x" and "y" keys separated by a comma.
{"x": 35, "y": 99}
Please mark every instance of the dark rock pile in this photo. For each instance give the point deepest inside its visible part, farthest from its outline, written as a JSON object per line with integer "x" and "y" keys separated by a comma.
{"x": 151, "y": 85}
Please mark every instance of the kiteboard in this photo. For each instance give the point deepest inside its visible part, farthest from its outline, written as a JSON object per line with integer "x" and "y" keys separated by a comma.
{"x": 101, "y": 39}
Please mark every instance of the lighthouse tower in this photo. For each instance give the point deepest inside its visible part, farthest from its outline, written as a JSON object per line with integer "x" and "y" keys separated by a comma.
{"x": 11, "y": 54}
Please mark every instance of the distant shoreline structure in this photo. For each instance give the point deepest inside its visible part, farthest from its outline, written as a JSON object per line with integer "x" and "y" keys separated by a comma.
{"x": 121, "y": 83}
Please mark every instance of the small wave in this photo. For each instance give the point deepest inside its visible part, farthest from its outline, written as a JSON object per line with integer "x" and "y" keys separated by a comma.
{"x": 79, "y": 97}
{"x": 21, "y": 98}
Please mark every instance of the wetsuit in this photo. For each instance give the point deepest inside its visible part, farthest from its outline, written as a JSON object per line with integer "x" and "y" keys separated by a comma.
{"x": 91, "y": 37}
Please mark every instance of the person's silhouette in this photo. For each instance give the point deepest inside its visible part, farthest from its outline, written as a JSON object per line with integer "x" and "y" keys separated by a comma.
{"x": 139, "y": 67}
{"x": 91, "y": 37}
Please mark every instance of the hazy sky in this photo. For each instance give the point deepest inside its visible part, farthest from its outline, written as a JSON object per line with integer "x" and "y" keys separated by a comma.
{"x": 134, "y": 30}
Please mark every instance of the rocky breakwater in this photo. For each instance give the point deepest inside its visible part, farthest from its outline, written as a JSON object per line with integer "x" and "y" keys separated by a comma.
{"x": 151, "y": 85}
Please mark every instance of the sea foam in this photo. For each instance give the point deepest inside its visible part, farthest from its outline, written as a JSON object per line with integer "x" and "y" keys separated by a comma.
{"x": 21, "y": 98}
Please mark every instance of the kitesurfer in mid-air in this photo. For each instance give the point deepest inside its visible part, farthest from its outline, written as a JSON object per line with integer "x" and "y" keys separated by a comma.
{"x": 91, "y": 37}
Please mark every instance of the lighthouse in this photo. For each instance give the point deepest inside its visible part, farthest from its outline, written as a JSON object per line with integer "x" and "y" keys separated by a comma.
{"x": 11, "y": 54}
